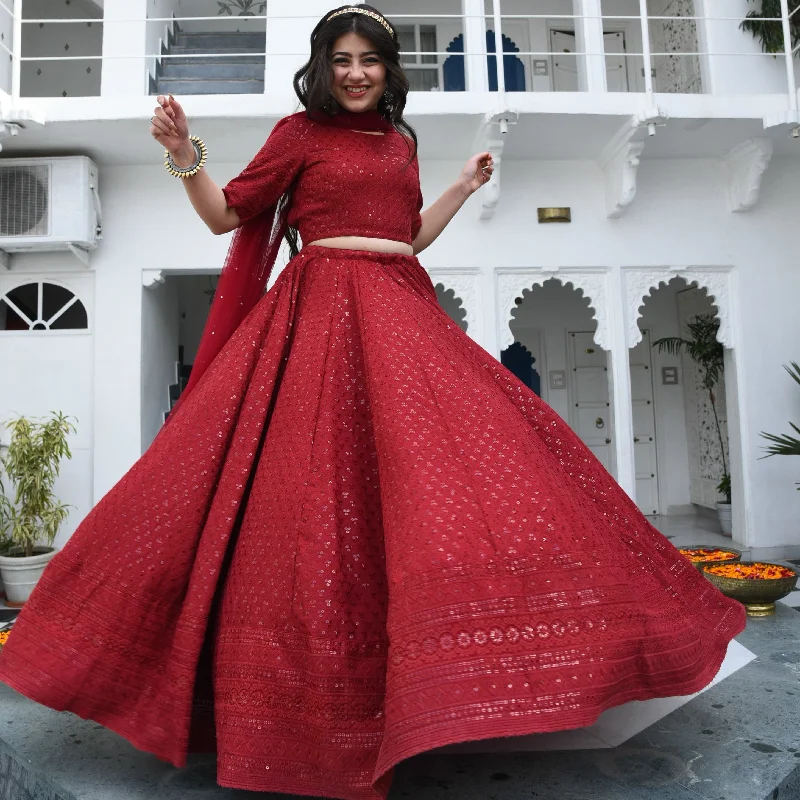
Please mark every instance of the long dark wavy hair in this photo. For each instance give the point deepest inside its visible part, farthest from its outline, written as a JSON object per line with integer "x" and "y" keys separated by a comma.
{"x": 314, "y": 80}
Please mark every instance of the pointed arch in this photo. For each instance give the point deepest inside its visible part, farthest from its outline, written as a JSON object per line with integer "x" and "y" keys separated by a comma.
{"x": 513, "y": 68}
{"x": 591, "y": 283}
{"x": 640, "y": 282}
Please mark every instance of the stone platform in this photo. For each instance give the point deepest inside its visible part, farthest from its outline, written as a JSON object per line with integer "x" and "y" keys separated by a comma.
{"x": 737, "y": 740}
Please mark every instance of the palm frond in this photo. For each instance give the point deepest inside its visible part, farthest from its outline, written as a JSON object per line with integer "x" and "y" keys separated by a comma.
{"x": 671, "y": 344}
{"x": 782, "y": 444}
{"x": 794, "y": 371}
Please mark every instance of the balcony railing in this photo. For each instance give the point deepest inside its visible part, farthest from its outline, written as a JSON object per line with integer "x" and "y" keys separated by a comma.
{"x": 644, "y": 46}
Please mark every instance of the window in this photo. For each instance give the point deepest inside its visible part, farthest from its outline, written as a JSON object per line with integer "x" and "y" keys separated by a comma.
{"x": 41, "y": 306}
{"x": 422, "y": 70}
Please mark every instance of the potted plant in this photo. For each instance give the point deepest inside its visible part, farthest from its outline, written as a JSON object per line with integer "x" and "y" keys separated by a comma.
{"x": 246, "y": 8}
{"x": 31, "y": 516}
{"x": 785, "y": 444}
{"x": 765, "y": 26}
{"x": 704, "y": 349}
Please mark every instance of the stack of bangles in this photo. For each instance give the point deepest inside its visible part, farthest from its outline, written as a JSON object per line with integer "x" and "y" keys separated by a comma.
{"x": 201, "y": 155}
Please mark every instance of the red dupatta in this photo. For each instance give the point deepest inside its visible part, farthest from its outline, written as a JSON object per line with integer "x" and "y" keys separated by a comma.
{"x": 256, "y": 242}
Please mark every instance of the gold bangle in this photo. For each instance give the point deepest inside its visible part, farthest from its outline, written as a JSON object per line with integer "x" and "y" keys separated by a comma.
{"x": 201, "y": 152}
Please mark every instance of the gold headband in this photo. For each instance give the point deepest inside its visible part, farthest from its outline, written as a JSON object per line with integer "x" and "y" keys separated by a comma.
{"x": 372, "y": 14}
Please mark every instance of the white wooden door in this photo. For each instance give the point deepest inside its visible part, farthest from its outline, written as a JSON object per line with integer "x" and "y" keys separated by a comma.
{"x": 590, "y": 412}
{"x": 644, "y": 426}
{"x": 616, "y": 62}
{"x": 565, "y": 63}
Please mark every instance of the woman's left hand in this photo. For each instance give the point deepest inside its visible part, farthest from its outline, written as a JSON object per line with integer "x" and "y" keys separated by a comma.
{"x": 477, "y": 171}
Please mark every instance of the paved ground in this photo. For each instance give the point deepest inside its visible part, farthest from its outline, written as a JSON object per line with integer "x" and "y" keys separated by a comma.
{"x": 739, "y": 740}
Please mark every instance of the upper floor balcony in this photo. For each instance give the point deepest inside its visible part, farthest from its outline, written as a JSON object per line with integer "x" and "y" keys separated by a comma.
{"x": 81, "y": 60}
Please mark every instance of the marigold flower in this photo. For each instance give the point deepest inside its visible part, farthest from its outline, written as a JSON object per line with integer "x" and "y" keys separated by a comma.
{"x": 707, "y": 554}
{"x": 755, "y": 571}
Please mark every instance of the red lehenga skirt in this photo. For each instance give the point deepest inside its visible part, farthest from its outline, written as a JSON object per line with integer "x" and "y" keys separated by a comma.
{"x": 358, "y": 539}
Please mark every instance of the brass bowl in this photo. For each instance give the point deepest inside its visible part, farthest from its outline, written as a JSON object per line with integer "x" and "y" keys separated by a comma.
{"x": 758, "y": 596}
{"x": 701, "y": 564}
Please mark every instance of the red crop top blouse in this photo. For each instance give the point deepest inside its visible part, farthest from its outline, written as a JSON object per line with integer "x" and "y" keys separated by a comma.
{"x": 343, "y": 183}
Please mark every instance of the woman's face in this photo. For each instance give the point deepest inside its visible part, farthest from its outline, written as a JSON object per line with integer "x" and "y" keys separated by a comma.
{"x": 359, "y": 75}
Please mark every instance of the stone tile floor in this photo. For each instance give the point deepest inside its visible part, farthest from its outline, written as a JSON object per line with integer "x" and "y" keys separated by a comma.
{"x": 737, "y": 740}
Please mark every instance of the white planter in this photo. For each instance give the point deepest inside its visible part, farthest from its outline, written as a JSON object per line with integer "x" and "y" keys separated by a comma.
{"x": 725, "y": 518}
{"x": 21, "y": 574}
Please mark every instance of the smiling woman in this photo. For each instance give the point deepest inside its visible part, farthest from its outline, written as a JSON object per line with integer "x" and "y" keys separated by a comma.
{"x": 359, "y": 536}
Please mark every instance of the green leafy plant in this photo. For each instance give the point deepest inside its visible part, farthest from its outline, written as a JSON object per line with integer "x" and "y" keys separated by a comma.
{"x": 704, "y": 349}
{"x": 765, "y": 26}
{"x": 785, "y": 444}
{"x": 246, "y": 8}
{"x": 32, "y": 463}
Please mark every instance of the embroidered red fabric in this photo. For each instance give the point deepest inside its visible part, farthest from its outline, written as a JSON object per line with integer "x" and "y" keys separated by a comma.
{"x": 360, "y": 538}
{"x": 316, "y": 160}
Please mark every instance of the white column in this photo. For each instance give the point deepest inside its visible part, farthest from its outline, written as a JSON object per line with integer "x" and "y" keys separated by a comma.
{"x": 117, "y": 374}
{"x": 16, "y": 48}
{"x": 620, "y": 385}
{"x": 289, "y": 26}
{"x": 124, "y": 34}
{"x": 477, "y": 76}
{"x": 495, "y": 317}
{"x": 589, "y": 39}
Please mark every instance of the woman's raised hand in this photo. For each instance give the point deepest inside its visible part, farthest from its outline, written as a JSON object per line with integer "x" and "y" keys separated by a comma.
{"x": 477, "y": 171}
{"x": 169, "y": 127}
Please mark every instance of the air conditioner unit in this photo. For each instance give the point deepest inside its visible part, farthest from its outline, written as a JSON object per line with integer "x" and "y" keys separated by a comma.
{"x": 49, "y": 204}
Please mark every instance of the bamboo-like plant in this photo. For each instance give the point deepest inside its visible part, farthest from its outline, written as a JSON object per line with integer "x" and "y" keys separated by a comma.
{"x": 764, "y": 25}
{"x": 785, "y": 444}
{"x": 246, "y": 8}
{"x": 704, "y": 349}
{"x": 32, "y": 463}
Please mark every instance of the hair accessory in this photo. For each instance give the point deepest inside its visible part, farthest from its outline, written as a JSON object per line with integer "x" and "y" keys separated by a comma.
{"x": 365, "y": 12}
{"x": 201, "y": 153}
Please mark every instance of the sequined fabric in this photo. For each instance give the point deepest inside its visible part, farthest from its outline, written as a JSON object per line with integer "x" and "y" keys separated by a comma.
{"x": 360, "y": 538}
{"x": 342, "y": 183}
{"x": 336, "y": 181}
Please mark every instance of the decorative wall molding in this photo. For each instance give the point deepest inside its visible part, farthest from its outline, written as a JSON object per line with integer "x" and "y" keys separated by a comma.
{"x": 152, "y": 278}
{"x": 466, "y": 284}
{"x": 492, "y": 137}
{"x": 7, "y": 130}
{"x": 592, "y": 282}
{"x": 619, "y": 159}
{"x": 746, "y": 164}
{"x": 639, "y": 282}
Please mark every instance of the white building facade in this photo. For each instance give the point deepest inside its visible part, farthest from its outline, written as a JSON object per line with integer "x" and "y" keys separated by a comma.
{"x": 662, "y": 128}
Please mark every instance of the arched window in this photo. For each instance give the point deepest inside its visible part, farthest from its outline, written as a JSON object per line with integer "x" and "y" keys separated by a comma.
{"x": 42, "y": 306}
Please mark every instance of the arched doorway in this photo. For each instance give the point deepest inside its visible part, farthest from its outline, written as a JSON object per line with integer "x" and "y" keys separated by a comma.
{"x": 693, "y": 431}
{"x": 452, "y": 304}
{"x": 513, "y": 68}
{"x": 556, "y": 325}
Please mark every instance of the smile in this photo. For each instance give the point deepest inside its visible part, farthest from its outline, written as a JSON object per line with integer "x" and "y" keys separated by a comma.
{"x": 356, "y": 89}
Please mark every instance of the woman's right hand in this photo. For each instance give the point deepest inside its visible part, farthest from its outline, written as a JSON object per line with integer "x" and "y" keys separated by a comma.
{"x": 169, "y": 127}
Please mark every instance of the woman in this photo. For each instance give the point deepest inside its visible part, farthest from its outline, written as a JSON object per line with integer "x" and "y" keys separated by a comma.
{"x": 358, "y": 537}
